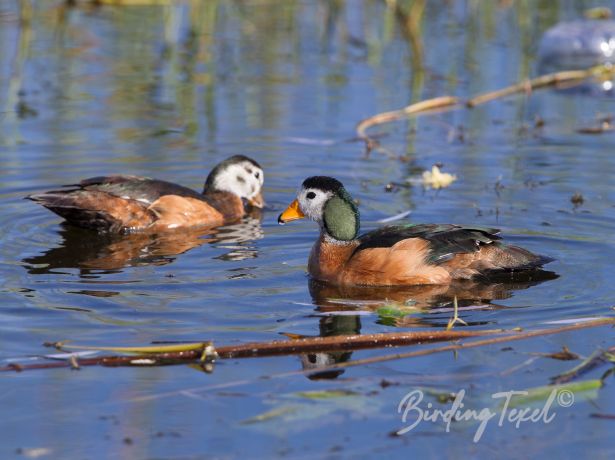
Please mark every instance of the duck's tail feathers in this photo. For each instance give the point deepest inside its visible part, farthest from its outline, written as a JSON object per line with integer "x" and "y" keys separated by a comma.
{"x": 94, "y": 210}
{"x": 517, "y": 263}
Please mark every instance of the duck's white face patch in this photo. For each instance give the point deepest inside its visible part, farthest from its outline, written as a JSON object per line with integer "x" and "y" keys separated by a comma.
{"x": 312, "y": 202}
{"x": 243, "y": 179}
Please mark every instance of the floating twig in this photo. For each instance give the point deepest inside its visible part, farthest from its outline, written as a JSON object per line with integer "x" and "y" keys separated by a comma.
{"x": 347, "y": 342}
{"x": 426, "y": 106}
{"x": 564, "y": 355}
{"x": 521, "y": 335}
{"x": 596, "y": 359}
{"x": 565, "y": 78}
{"x": 206, "y": 354}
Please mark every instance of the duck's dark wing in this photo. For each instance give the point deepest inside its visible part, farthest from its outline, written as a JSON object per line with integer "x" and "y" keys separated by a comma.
{"x": 449, "y": 245}
{"x": 142, "y": 189}
{"x": 445, "y": 240}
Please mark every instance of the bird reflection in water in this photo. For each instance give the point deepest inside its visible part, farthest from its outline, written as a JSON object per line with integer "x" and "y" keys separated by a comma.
{"x": 90, "y": 251}
{"x": 411, "y": 306}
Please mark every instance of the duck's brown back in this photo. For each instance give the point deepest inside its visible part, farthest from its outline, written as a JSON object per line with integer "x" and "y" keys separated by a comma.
{"x": 130, "y": 203}
{"x": 137, "y": 188}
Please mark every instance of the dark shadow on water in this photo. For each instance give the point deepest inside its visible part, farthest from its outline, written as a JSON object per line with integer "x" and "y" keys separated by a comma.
{"x": 406, "y": 307}
{"x": 93, "y": 252}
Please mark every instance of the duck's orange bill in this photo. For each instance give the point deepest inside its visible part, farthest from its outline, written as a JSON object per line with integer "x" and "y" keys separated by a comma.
{"x": 291, "y": 213}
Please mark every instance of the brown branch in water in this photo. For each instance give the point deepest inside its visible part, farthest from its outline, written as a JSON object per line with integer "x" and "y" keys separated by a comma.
{"x": 76, "y": 362}
{"x": 386, "y": 117}
{"x": 557, "y": 79}
{"x": 346, "y": 343}
{"x": 478, "y": 343}
{"x": 594, "y": 361}
{"x": 313, "y": 344}
{"x": 262, "y": 349}
{"x": 566, "y": 78}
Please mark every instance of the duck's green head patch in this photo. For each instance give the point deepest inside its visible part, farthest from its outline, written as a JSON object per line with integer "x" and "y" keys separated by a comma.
{"x": 341, "y": 217}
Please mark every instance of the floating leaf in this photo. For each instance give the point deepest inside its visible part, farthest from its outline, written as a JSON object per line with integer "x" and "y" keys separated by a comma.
{"x": 326, "y": 394}
{"x": 587, "y": 389}
{"x": 564, "y": 355}
{"x": 390, "y": 311}
{"x": 150, "y": 349}
{"x": 274, "y": 413}
{"x": 390, "y": 314}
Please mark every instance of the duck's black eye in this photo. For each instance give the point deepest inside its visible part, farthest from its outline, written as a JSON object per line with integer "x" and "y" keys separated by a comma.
{"x": 257, "y": 174}
{"x": 310, "y": 195}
